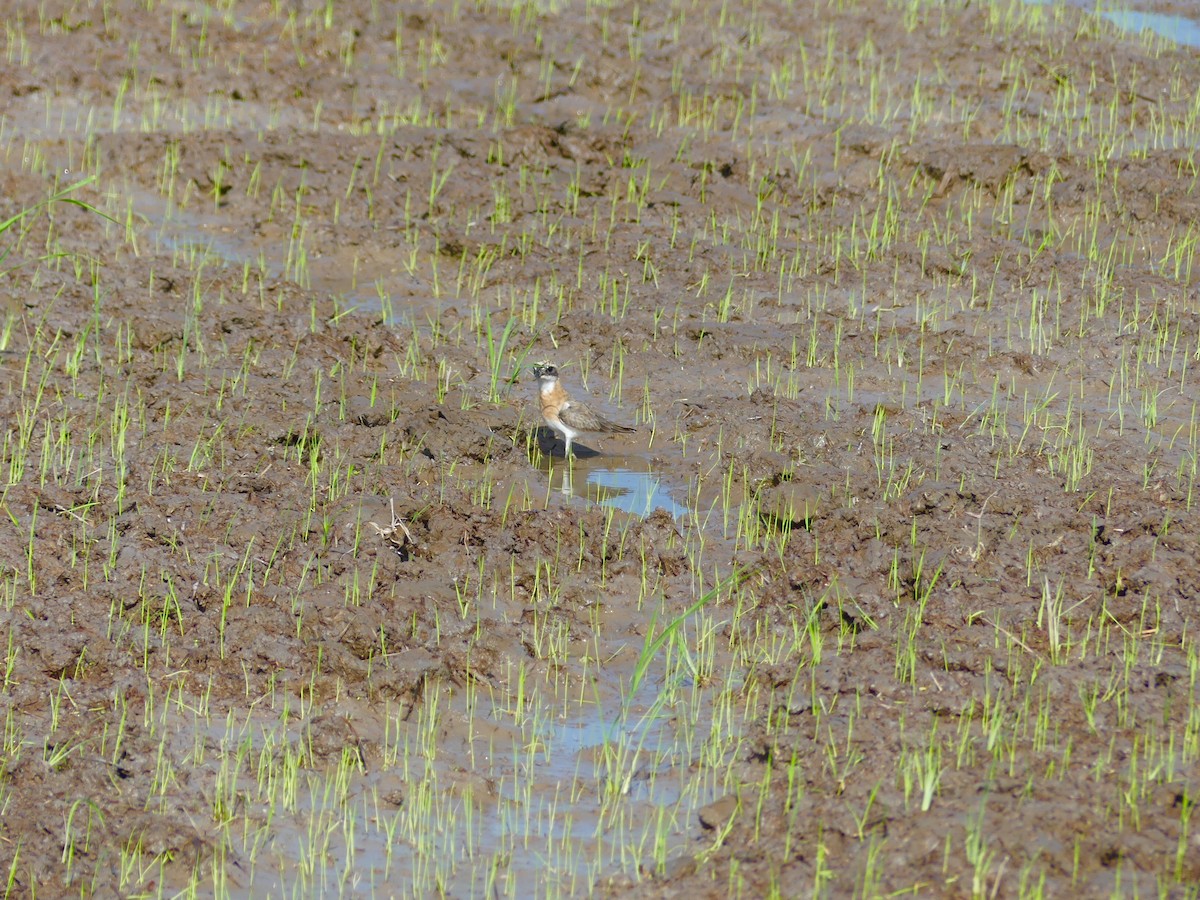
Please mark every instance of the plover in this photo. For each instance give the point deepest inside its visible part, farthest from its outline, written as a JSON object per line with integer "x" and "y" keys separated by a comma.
{"x": 567, "y": 416}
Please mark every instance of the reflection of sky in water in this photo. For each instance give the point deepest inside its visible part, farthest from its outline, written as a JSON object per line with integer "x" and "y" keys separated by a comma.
{"x": 1179, "y": 29}
{"x": 636, "y": 741}
{"x": 639, "y": 493}
{"x": 190, "y": 233}
{"x": 570, "y": 742}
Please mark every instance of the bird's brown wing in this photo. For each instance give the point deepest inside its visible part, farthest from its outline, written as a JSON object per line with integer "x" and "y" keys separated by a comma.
{"x": 581, "y": 417}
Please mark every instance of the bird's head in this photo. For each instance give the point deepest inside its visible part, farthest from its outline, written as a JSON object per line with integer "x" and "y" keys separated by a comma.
{"x": 544, "y": 372}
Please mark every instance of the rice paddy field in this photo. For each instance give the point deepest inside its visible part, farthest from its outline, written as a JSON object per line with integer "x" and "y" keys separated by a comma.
{"x": 893, "y": 591}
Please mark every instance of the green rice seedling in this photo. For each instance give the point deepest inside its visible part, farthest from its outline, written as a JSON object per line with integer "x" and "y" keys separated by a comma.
{"x": 979, "y": 855}
{"x": 652, "y": 646}
{"x": 496, "y": 346}
{"x": 93, "y": 818}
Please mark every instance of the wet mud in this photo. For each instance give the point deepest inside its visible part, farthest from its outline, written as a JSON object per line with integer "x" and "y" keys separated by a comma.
{"x": 893, "y": 589}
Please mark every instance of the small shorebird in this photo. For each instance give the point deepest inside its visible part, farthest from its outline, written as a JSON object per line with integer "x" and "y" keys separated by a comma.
{"x": 568, "y": 417}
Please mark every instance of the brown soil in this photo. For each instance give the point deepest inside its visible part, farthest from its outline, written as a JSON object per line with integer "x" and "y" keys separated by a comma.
{"x": 901, "y": 298}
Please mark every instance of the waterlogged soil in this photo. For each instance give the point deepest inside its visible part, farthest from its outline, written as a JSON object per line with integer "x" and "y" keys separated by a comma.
{"x": 900, "y": 298}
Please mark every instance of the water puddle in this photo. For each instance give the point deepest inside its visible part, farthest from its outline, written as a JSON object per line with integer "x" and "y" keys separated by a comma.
{"x": 364, "y": 279}
{"x": 627, "y": 483}
{"x": 637, "y": 493}
{"x": 191, "y": 234}
{"x": 1180, "y": 29}
{"x": 533, "y": 800}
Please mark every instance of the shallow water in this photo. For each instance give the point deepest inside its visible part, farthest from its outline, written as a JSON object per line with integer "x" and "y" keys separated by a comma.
{"x": 615, "y": 482}
{"x": 908, "y": 297}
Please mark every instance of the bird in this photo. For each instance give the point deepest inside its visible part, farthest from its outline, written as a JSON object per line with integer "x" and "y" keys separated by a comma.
{"x": 567, "y": 416}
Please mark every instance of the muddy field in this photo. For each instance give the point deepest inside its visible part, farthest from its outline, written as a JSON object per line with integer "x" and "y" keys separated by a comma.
{"x": 893, "y": 589}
